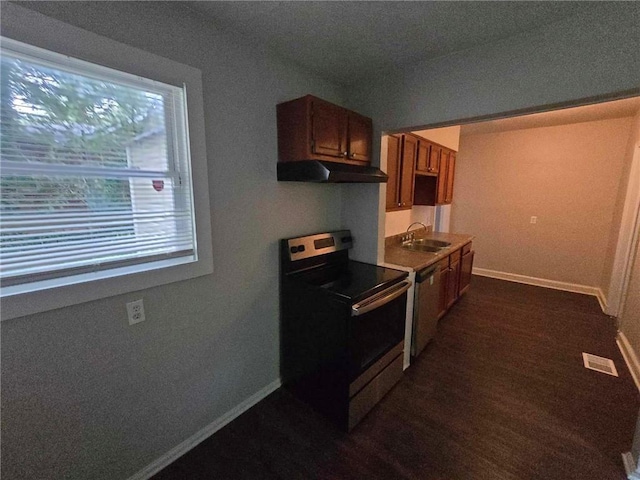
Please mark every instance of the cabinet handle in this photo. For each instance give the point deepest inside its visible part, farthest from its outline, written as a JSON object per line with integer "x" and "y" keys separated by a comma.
{"x": 344, "y": 154}
{"x": 352, "y": 155}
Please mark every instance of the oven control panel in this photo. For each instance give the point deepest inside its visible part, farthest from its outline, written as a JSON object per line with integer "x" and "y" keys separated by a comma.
{"x": 319, "y": 244}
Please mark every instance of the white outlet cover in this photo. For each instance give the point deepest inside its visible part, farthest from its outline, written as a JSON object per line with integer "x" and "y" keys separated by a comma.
{"x": 135, "y": 311}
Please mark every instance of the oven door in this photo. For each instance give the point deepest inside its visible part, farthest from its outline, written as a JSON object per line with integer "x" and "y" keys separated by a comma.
{"x": 377, "y": 325}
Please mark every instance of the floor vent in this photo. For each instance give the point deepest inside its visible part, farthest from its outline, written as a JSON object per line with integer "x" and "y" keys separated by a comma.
{"x": 599, "y": 364}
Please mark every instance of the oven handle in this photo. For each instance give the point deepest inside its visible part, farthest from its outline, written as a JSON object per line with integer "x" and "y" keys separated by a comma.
{"x": 380, "y": 299}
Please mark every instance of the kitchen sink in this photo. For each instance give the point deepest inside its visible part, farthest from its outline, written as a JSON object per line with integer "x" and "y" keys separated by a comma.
{"x": 425, "y": 245}
{"x": 430, "y": 243}
{"x": 421, "y": 248}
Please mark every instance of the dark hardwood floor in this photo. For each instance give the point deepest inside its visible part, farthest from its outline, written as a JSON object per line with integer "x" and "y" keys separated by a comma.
{"x": 501, "y": 393}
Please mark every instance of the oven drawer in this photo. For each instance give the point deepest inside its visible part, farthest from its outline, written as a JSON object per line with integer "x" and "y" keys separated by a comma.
{"x": 370, "y": 395}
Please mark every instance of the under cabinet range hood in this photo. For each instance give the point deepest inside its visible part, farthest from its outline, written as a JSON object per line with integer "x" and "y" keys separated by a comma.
{"x": 329, "y": 172}
{"x": 322, "y": 142}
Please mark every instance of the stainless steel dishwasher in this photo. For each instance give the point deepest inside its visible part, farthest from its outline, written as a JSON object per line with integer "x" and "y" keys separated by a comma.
{"x": 425, "y": 308}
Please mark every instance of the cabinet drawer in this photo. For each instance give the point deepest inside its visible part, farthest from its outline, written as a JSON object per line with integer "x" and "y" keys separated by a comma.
{"x": 455, "y": 257}
{"x": 467, "y": 248}
{"x": 444, "y": 263}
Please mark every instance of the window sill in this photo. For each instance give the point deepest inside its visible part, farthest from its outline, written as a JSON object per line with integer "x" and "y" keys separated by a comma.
{"x": 22, "y": 300}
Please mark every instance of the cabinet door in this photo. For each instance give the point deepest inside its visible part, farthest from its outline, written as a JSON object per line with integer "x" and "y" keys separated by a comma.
{"x": 393, "y": 170}
{"x": 360, "y": 133}
{"x": 424, "y": 150}
{"x": 466, "y": 266}
{"x": 434, "y": 159}
{"x": 409, "y": 153}
{"x": 441, "y": 194}
{"x": 443, "y": 269}
{"x": 451, "y": 167}
{"x": 328, "y": 129}
{"x": 453, "y": 281}
{"x": 444, "y": 288}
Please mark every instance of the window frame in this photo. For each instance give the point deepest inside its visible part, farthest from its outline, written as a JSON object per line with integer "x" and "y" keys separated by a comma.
{"x": 74, "y": 43}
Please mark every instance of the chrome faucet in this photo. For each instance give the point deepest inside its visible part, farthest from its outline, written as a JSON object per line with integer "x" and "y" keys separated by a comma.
{"x": 408, "y": 237}
{"x": 417, "y": 223}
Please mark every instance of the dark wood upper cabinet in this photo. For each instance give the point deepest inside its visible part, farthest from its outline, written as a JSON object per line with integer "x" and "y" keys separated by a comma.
{"x": 446, "y": 176}
{"x": 451, "y": 169}
{"x": 310, "y": 128}
{"x": 442, "y": 177}
{"x": 328, "y": 130}
{"x": 359, "y": 134}
{"x": 428, "y": 161}
{"x": 434, "y": 159}
{"x": 409, "y": 154}
{"x": 394, "y": 149}
{"x": 401, "y": 157}
{"x": 434, "y": 174}
{"x": 422, "y": 162}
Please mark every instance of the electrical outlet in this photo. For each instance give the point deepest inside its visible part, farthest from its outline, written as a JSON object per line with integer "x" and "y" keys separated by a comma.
{"x": 135, "y": 310}
{"x": 534, "y": 219}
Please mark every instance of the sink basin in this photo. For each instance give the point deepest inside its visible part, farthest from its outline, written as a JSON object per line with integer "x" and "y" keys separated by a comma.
{"x": 430, "y": 243}
{"x": 421, "y": 248}
{"x": 425, "y": 245}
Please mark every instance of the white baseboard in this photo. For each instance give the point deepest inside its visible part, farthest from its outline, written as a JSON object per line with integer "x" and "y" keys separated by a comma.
{"x": 201, "y": 435}
{"x": 629, "y": 465}
{"x": 602, "y": 300}
{"x": 630, "y": 357}
{"x": 543, "y": 282}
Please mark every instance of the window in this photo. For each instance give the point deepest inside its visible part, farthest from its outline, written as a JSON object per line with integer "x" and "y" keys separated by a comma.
{"x": 95, "y": 172}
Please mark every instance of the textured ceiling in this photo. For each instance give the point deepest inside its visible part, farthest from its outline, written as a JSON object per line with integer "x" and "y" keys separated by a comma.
{"x": 347, "y": 40}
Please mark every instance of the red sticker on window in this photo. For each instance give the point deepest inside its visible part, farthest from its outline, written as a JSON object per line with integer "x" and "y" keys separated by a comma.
{"x": 158, "y": 185}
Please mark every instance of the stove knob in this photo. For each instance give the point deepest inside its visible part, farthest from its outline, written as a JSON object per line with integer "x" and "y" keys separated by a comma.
{"x": 301, "y": 248}
{"x": 294, "y": 249}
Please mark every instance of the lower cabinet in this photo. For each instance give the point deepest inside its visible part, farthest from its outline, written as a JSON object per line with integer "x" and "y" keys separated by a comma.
{"x": 466, "y": 267}
{"x": 455, "y": 277}
{"x": 444, "y": 287}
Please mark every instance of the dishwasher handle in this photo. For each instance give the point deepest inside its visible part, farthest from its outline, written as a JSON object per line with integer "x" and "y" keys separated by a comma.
{"x": 381, "y": 299}
{"x": 425, "y": 273}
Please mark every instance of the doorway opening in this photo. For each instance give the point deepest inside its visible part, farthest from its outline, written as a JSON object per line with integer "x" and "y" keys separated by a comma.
{"x": 547, "y": 195}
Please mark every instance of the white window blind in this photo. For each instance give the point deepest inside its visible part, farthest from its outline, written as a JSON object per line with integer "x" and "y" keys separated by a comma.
{"x": 94, "y": 168}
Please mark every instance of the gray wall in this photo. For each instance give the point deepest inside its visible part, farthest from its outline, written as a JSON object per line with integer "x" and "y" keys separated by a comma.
{"x": 84, "y": 395}
{"x": 556, "y": 173}
{"x": 591, "y": 55}
{"x": 579, "y": 57}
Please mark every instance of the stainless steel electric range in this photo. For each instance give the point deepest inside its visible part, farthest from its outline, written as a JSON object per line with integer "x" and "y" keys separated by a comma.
{"x": 342, "y": 326}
